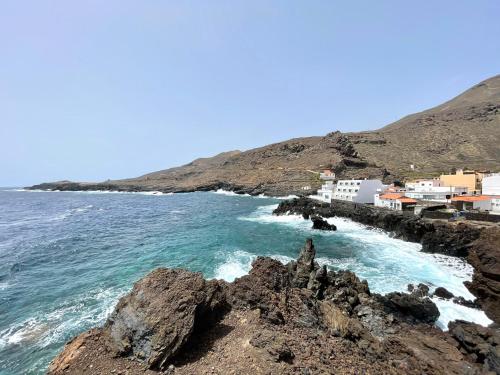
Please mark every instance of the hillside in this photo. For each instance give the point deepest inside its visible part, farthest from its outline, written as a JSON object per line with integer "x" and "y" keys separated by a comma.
{"x": 463, "y": 132}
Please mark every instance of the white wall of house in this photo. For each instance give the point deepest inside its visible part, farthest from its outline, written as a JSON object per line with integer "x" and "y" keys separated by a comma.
{"x": 436, "y": 193}
{"x": 325, "y": 194}
{"x": 491, "y": 185}
{"x": 359, "y": 191}
{"x": 482, "y": 205}
{"x": 422, "y": 184}
{"x": 393, "y": 204}
{"x": 495, "y": 205}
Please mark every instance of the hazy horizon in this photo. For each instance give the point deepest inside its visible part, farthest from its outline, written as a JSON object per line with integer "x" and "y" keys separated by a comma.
{"x": 98, "y": 91}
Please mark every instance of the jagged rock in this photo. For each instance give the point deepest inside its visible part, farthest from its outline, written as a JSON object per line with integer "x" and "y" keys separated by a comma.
{"x": 421, "y": 290}
{"x": 161, "y": 313}
{"x": 421, "y": 309}
{"x": 465, "y": 302}
{"x": 481, "y": 343}
{"x": 485, "y": 285}
{"x": 443, "y": 293}
{"x": 305, "y": 265}
{"x": 277, "y": 319}
{"x": 322, "y": 224}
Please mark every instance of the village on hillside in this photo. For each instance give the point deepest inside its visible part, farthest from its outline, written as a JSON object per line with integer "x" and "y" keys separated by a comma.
{"x": 467, "y": 194}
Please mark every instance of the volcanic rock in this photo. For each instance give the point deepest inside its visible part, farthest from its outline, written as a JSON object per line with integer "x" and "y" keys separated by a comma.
{"x": 443, "y": 293}
{"x": 421, "y": 309}
{"x": 485, "y": 258}
{"x": 322, "y": 224}
{"x": 158, "y": 317}
{"x": 482, "y": 344}
{"x": 278, "y": 319}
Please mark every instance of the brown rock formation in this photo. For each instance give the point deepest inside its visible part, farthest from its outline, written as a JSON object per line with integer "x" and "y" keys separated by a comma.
{"x": 485, "y": 258}
{"x": 278, "y": 319}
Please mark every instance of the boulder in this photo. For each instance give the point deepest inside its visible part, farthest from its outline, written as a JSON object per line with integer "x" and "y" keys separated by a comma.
{"x": 155, "y": 320}
{"x": 465, "y": 302}
{"x": 421, "y": 290}
{"x": 420, "y": 309}
{"x": 322, "y": 224}
{"x": 480, "y": 343}
{"x": 443, "y": 293}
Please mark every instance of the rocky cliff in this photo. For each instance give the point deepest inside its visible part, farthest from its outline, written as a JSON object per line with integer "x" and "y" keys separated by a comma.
{"x": 463, "y": 132}
{"x": 480, "y": 244}
{"x": 279, "y": 319}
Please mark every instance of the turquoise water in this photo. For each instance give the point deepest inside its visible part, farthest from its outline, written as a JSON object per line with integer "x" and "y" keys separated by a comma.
{"x": 66, "y": 258}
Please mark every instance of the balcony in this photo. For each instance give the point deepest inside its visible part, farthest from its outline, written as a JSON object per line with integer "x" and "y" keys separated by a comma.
{"x": 327, "y": 177}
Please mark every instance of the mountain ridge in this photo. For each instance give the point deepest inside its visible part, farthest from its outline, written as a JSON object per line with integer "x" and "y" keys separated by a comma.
{"x": 461, "y": 132}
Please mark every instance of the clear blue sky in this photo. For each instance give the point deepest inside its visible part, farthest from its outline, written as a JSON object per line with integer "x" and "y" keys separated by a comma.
{"x": 91, "y": 90}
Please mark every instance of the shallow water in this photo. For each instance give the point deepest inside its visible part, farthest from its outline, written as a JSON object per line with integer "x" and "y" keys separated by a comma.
{"x": 66, "y": 257}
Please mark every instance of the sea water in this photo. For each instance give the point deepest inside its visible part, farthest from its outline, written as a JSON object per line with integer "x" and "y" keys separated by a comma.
{"x": 67, "y": 257}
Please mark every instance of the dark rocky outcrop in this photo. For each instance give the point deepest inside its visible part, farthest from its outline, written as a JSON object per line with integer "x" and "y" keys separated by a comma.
{"x": 142, "y": 325}
{"x": 443, "y": 293}
{"x": 435, "y": 236}
{"x": 480, "y": 244}
{"x": 322, "y": 224}
{"x": 410, "y": 305}
{"x": 421, "y": 290}
{"x": 278, "y": 319}
{"x": 481, "y": 344}
{"x": 485, "y": 258}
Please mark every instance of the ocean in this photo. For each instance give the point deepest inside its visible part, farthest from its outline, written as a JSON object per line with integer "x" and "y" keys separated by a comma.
{"x": 67, "y": 257}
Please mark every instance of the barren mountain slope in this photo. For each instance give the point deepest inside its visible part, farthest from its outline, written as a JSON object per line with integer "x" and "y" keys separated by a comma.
{"x": 463, "y": 132}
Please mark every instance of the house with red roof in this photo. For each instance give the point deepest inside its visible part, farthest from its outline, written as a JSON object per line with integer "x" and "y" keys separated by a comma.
{"x": 472, "y": 202}
{"x": 394, "y": 201}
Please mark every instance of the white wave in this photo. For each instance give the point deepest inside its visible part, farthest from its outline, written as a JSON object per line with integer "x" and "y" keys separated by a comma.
{"x": 71, "y": 212}
{"x": 230, "y": 193}
{"x": 387, "y": 263}
{"x": 46, "y": 329}
{"x": 282, "y": 258}
{"x": 237, "y": 264}
{"x": 29, "y": 330}
{"x": 287, "y": 197}
{"x": 155, "y": 193}
{"x": 450, "y": 311}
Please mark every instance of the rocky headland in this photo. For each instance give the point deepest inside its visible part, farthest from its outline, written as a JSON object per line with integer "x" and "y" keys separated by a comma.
{"x": 479, "y": 244}
{"x": 297, "y": 318}
{"x": 464, "y": 131}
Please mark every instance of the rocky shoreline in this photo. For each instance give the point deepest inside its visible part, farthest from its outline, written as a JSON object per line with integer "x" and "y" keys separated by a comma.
{"x": 297, "y": 318}
{"x": 479, "y": 244}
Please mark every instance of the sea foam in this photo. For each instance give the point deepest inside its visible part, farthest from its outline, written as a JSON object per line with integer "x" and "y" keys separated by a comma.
{"x": 387, "y": 263}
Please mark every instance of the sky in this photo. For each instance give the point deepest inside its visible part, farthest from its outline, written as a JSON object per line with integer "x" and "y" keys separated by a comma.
{"x": 96, "y": 90}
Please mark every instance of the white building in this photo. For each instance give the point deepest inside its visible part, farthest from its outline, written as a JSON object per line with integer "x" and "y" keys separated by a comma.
{"x": 359, "y": 191}
{"x": 325, "y": 194}
{"x": 423, "y": 183}
{"x": 495, "y": 204}
{"x": 491, "y": 184}
{"x": 473, "y": 202}
{"x": 394, "y": 201}
{"x": 432, "y": 190}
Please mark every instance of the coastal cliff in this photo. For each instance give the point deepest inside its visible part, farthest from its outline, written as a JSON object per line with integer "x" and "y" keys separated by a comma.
{"x": 480, "y": 244}
{"x": 278, "y": 319}
{"x": 464, "y": 131}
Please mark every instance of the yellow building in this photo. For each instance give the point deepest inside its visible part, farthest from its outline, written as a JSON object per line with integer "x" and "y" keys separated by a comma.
{"x": 469, "y": 179}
